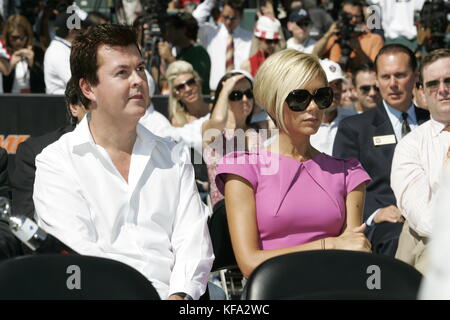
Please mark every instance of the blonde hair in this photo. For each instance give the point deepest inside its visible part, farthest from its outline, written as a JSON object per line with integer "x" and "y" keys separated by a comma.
{"x": 280, "y": 74}
{"x": 175, "y": 107}
{"x": 20, "y": 23}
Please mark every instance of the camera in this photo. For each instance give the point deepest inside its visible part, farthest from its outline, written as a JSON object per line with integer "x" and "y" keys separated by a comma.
{"x": 346, "y": 30}
{"x": 153, "y": 22}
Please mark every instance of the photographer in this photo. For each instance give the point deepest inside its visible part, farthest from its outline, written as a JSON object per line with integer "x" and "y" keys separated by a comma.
{"x": 181, "y": 31}
{"x": 348, "y": 41}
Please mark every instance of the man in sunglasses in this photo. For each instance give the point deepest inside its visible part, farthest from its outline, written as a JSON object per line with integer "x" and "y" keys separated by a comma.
{"x": 299, "y": 24}
{"x": 419, "y": 160}
{"x": 181, "y": 32}
{"x": 372, "y": 136}
{"x": 324, "y": 138}
{"x": 227, "y": 43}
{"x": 367, "y": 92}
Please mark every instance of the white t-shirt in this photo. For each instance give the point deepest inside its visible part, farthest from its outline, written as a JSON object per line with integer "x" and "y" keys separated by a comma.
{"x": 307, "y": 47}
{"x": 57, "y": 66}
{"x": 397, "y": 17}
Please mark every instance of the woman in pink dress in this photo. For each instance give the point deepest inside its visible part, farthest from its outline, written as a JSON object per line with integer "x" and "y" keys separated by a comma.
{"x": 289, "y": 197}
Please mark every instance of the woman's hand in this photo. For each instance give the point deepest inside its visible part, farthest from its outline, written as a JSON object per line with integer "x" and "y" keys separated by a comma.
{"x": 354, "y": 240}
{"x": 26, "y": 53}
{"x": 228, "y": 85}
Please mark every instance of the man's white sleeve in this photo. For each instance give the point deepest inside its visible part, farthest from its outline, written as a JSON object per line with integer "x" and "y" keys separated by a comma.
{"x": 191, "y": 242}
{"x": 410, "y": 184}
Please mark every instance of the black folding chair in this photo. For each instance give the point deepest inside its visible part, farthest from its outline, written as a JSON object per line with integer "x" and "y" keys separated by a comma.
{"x": 333, "y": 274}
{"x": 72, "y": 277}
{"x": 224, "y": 261}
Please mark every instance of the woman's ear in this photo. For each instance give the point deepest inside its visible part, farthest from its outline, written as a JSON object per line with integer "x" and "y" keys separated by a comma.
{"x": 86, "y": 89}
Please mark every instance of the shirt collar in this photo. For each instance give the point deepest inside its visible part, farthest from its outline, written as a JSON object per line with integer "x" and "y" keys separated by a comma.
{"x": 82, "y": 136}
{"x": 436, "y": 126}
{"x": 392, "y": 112}
{"x": 63, "y": 41}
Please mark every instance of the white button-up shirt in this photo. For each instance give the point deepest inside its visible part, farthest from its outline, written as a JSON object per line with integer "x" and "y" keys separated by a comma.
{"x": 57, "y": 66}
{"x": 416, "y": 171}
{"x": 155, "y": 223}
{"x": 214, "y": 39}
{"x": 436, "y": 285}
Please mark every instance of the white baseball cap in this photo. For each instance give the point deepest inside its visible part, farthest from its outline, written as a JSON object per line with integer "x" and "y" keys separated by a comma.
{"x": 267, "y": 28}
{"x": 332, "y": 69}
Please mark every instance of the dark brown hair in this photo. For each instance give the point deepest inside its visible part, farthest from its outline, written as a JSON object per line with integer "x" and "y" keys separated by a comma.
{"x": 83, "y": 56}
{"x": 397, "y": 48}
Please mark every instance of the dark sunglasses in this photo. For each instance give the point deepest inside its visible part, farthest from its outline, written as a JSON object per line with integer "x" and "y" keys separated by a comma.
{"x": 271, "y": 41}
{"x": 15, "y": 38}
{"x": 366, "y": 89}
{"x": 299, "y": 100}
{"x": 188, "y": 83}
{"x": 238, "y": 95}
{"x": 302, "y": 24}
{"x": 229, "y": 18}
{"x": 434, "y": 84}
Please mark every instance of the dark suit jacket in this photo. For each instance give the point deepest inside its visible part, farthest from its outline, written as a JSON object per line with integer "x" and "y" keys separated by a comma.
{"x": 4, "y": 183}
{"x": 355, "y": 139}
{"x": 22, "y": 179}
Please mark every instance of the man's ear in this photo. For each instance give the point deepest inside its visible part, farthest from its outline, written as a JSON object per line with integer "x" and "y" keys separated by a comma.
{"x": 86, "y": 89}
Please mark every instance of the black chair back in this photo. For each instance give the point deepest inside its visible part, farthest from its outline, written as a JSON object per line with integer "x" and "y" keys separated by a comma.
{"x": 72, "y": 277}
{"x": 333, "y": 274}
{"x": 220, "y": 239}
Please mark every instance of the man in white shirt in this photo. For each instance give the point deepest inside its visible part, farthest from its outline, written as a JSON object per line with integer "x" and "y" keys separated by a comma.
{"x": 371, "y": 137}
{"x": 113, "y": 189}
{"x": 367, "y": 92}
{"x": 436, "y": 284}
{"x": 57, "y": 56}
{"x": 299, "y": 24}
{"x": 397, "y": 18}
{"x": 227, "y": 43}
{"x": 419, "y": 159}
{"x": 324, "y": 138}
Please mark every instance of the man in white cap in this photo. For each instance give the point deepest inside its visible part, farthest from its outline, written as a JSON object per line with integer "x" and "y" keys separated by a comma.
{"x": 267, "y": 32}
{"x": 324, "y": 138}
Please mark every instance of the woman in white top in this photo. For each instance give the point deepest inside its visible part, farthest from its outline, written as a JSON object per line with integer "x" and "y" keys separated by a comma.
{"x": 26, "y": 61}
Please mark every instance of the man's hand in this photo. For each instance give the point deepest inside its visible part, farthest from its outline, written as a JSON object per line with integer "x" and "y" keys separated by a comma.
{"x": 389, "y": 214}
{"x": 165, "y": 52}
